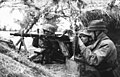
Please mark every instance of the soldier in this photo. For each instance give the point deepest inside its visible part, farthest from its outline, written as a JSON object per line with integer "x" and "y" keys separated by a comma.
{"x": 50, "y": 48}
{"x": 102, "y": 53}
{"x": 44, "y": 44}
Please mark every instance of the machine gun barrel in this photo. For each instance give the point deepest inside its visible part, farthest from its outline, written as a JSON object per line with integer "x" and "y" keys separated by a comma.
{"x": 24, "y": 35}
{"x": 56, "y": 36}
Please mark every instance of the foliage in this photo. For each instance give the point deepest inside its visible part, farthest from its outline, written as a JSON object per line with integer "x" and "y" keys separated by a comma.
{"x": 110, "y": 16}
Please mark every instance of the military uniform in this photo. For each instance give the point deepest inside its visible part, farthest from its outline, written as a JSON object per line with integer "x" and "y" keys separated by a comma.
{"x": 102, "y": 54}
{"x": 51, "y": 49}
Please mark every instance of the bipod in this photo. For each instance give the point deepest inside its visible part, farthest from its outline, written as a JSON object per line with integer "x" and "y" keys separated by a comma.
{"x": 21, "y": 42}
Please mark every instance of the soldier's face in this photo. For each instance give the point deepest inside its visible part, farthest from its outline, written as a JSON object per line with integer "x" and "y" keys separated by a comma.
{"x": 84, "y": 39}
{"x": 47, "y": 32}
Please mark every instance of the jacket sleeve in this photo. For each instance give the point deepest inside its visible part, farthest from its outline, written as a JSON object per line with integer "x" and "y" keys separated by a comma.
{"x": 96, "y": 56}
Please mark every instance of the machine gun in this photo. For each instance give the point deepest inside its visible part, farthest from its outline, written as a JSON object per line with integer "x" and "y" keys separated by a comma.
{"x": 59, "y": 37}
{"x": 56, "y": 39}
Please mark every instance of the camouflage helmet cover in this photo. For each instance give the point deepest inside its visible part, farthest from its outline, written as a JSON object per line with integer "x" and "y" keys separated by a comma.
{"x": 97, "y": 25}
{"x": 49, "y": 27}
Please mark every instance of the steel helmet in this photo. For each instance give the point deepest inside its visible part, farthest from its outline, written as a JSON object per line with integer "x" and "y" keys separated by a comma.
{"x": 49, "y": 16}
{"x": 97, "y": 25}
{"x": 49, "y": 27}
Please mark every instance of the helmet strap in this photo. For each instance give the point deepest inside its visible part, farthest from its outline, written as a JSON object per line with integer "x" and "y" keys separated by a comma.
{"x": 95, "y": 35}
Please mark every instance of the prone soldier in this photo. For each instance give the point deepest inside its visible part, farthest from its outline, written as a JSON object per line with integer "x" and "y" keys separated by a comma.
{"x": 52, "y": 50}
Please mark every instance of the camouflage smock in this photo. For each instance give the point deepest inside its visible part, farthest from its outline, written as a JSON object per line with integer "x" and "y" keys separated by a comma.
{"x": 101, "y": 54}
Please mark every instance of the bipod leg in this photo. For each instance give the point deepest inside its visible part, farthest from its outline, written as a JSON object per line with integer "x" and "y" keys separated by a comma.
{"x": 19, "y": 41}
{"x": 22, "y": 43}
{"x": 20, "y": 47}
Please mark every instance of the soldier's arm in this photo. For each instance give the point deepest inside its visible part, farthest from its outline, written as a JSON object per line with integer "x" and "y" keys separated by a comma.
{"x": 96, "y": 56}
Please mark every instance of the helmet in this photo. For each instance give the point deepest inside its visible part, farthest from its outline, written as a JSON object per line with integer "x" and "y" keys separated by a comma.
{"x": 84, "y": 33}
{"x": 97, "y": 25}
{"x": 49, "y": 27}
{"x": 49, "y": 16}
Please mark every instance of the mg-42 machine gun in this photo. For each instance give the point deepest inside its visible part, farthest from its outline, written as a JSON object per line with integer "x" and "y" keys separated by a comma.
{"x": 58, "y": 39}
{"x": 56, "y": 36}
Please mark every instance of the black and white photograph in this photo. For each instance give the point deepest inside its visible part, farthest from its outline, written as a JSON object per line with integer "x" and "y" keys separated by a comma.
{"x": 59, "y": 38}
